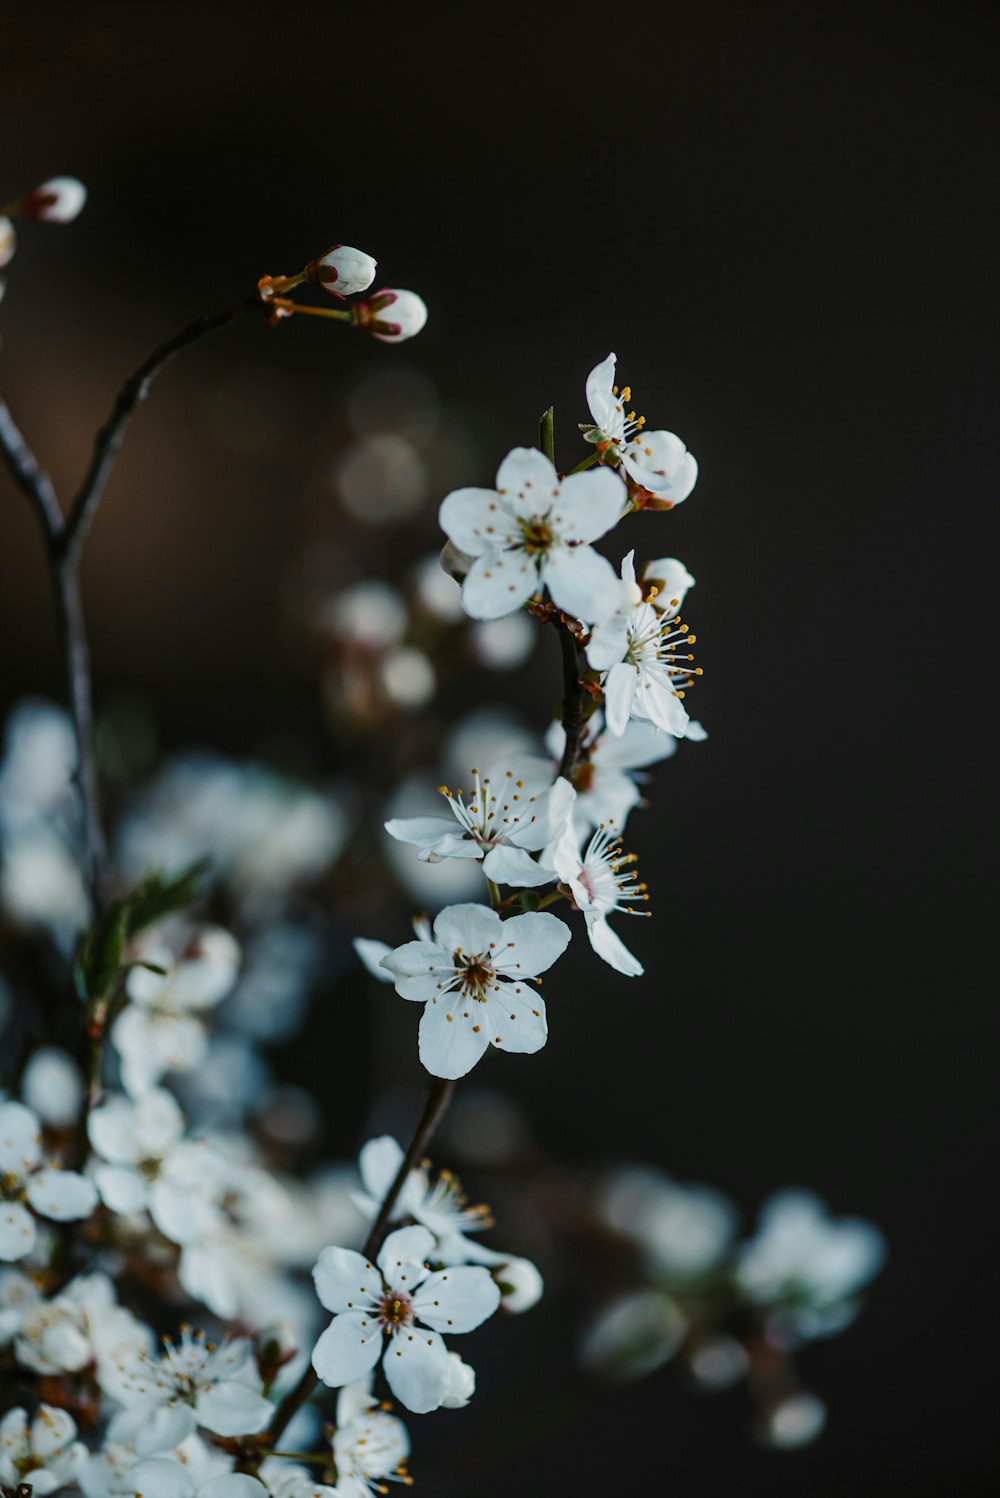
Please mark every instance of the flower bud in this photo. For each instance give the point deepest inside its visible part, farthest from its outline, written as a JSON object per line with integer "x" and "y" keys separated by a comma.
{"x": 275, "y": 1345}
{"x": 8, "y": 241}
{"x": 391, "y": 315}
{"x": 59, "y": 200}
{"x": 461, "y": 1383}
{"x": 521, "y": 1285}
{"x": 342, "y": 270}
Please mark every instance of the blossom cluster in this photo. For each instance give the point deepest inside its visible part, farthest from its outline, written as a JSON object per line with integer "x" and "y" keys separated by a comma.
{"x": 155, "y": 1167}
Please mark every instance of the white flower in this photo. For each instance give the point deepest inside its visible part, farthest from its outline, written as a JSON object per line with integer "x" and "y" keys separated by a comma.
{"x": 44, "y": 1453}
{"x": 807, "y": 1266}
{"x": 132, "y": 1140}
{"x": 603, "y": 882}
{"x": 513, "y": 809}
{"x": 342, "y": 270}
{"x": 474, "y": 981}
{"x": 161, "y": 1477}
{"x": 59, "y": 200}
{"x": 25, "y": 1180}
{"x": 371, "y": 952}
{"x": 392, "y": 315}
{"x": 131, "y": 1436}
{"x": 161, "y": 1029}
{"x": 683, "y": 1231}
{"x": 216, "y": 1387}
{"x": 606, "y": 787}
{"x": 503, "y": 644}
{"x": 83, "y": 1325}
{"x": 658, "y": 461}
{"x": 408, "y": 677}
{"x": 370, "y": 1446}
{"x": 533, "y": 532}
{"x": 52, "y": 1088}
{"x": 370, "y": 615}
{"x": 648, "y": 665}
{"x": 633, "y": 1335}
{"x": 401, "y": 1308}
{"x": 19, "y": 1295}
{"x": 666, "y": 581}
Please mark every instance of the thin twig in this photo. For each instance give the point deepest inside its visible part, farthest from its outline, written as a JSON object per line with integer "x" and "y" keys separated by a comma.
{"x": 29, "y": 477}
{"x": 438, "y": 1097}
{"x": 573, "y": 701}
{"x": 132, "y": 394}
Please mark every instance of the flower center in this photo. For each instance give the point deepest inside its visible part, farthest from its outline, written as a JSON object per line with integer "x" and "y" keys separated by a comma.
{"x": 477, "y": 975}
{"x": 661, "y": 644}
{"x": 394, "y": 1311}
{"x": 536, "y": 536}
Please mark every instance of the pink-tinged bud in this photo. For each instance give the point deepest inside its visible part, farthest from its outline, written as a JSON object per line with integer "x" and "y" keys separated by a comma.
{"x": 342, "y": 270}
{"x": 8, "y": 242}
{"x": 391, "y": 315}
{"x": 59, "y": 200}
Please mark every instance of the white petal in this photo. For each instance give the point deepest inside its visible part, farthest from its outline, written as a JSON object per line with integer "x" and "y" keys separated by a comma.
{"x": 466, "y": 517}
{"x": 51, "y": 1430}
{"x": 581, "y": 582}
{"x": 231, "y": 1409}
{"x": 497, "y": 583}
{"x": 123, "y": 1189}
{"x": 418, "y": 968}
{"x": 371, "y": 954}
{"x": 619, "y": 694}
{"x": 588, "y": 505}
{"x": 608, "y": 643}
{"x": 422, "y": 832}
{"x": 662, "y": 464}
{"x": 61, "y": 1194}
{"x": 471, "y": 927}
{"x": 673, "y": 580}
{"x": 658, "y": 701}
{"x": 516, "y": 1019}
{"x": 417, "y": 1369}
{"x": 614, "y": 951}
{"x": 156, "y": 1430}
{"x": 534, "y": 942}
{"x": 457, "y": 1300}
{"x": 605, "y": 408}
{"x": 461, "y": 1383}
{"x": 401, "y": 1259}
{"x": 452, "y": 1037}
{"x": 17, "y": 1231}
{"x": 232, "y": 1485}
{"x": 379, "y": 1163}
{"x": 348, "y": 1349}
{"x": 180, "y": 1214}
{"x": 515, "y": 867}
{"x": 20, "y": 1139}
{"x": 526, "y": 480}
{"x": 204, "y": 1272}
{"x": 158, "y": 1477}
{"x": 342, "y": 1276}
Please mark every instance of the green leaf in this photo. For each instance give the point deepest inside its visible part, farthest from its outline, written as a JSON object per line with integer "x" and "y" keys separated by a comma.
{"x": 100, "y": 963}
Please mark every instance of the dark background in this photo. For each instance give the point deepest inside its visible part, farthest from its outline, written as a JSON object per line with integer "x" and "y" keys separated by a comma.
{"x": 783, "y": 218}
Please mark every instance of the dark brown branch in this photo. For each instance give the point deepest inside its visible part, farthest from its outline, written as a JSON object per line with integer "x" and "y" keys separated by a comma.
{"x": 29, "y": 477}
{"x": 438, "y": 1097}
{"x": 573, "y": 701}
{"x": 109, "y": 439}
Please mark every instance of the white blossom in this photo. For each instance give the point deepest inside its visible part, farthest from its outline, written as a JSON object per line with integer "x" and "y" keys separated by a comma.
{"x": 132, "y": 1139}
{"x": 27, "y": 1181}
{"x": 59, "y": 200}
{"x": 52, "y": 1087}
{"x": 603, "y": 882}
{"x": 807, "y": 1266}
{"x": 215, "y": 1387}
{"x": 43, "y": 1452}
{"x": 394, "y": 315}
{"x": 657, "y": 460}
{"x": 533, "y": 532}
{"x": 795, "y": 1421}
{"x": 8, "y": 241}
{"x": 605, "y": 779}
{"x": 633, "y": 1335}
{"x": 684, "y": 1231}
{"x": 474, "y": 980}
{"x": 161, "y": 1029}
{"x": 80, "y": 1327}
{"x": 645, "y": 656}
{"x": 399, "y": 1307}
{"x": 162, "y": 1477}
{"x": 371, "y": 1446}
{"x": 513, "y": 809}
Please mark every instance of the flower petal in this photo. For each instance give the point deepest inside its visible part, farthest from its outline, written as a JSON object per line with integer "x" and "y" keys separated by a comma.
{"x": 417, "y": 1369}
{"x": 159, "y": 1477}
{"x": 20, "y": 1139}
{"x": 453, "y": 1035}
{"x": 17, "y": 1231}
{"x": 534, "y": 942}
{"x": 608, "y": 643}
{"x": 588, "y": 504}
{"x": 582, "y": 582}
{"x": 516, "y": 1019}
{"x": 348, "y": 1349}
{"x": 516, "y": 867}
{"x": 619, "y": 694}
{"x": 456, "y": 1300}
{"x": 498, "y": 582}
{"x": 657, "y": 701}
{"x": 418, "y": 968}
{"x": 472, "y": 927}
{"x": 402, "y": 1256}
{"x": 231, "y": 1409}
{"x": 371, "y": 953}
{"x": 526, "y": 481}
{"x": 422, "y": 832}
{"x": 345, "y": 1279}
{"x": 233, "y": 1485}
{"x": 662, "y": 464}
{"x": 471, "y": 519}
{"x": 614, "y": 951}
{"x": 123, "y": 1189}
{"x": 61, "y": 1194}
{"x": 605, "y": 407}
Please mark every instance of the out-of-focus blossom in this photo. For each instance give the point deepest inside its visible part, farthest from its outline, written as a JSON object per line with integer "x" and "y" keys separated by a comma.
{"x": 795, "y": 1422}
{"x": 52, "y": 1087}
{"x": 533, "y": 532}
{"x": 163, "y": 1477}
{"x": 603, "y": 883}
{"x": 408, "y": 677}
{"x": 132, "y": 1140}
{"x": 808, "y": 1268}
{"x": 398, "y": 1307}
{"x": 633, "y": 1335}
{"x": 382, "y": 479}
{"x": 437, "y": 591}
{"x": 8, "y": 241}
{"x": 28, "y": 1181}
{"x": 83, "y": 1324}
{"x": 503, "y": 644}
{"x": 684, "y": 1231}
{"x": 43, "y": 1452}
{"x": 58, "y": 200}
{"x": 474, "y": 980}
{"x": 371, "y": 615}
{"x": 202, "y": 1384}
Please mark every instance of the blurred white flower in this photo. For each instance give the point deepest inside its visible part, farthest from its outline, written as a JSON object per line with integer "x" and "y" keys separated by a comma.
{"x": 503, "y": 644}
{"x": 437, "y": 591}
{"x": 52, "y": 1086}
{"x": 28, "y": 1181}
{"x": 59, "y": 200}
{"x": 82, "y": 1325}
{"x": 408, "y": 677}
{"x": 633, "y": 1335}
{"x": 202, "y": 1384}
{"x": 8, "y": 241}
{"x": 132, "y": 1140}
{"x": 371, "y": 614}
{"x": 603, "y": 883}
{"x": 795, "y": 1422}
{"x": 607, "y": 787}
{"x": 684, "y": 1231}
{"x": 382, "y": 478}
{"x": 44, "y": 1452}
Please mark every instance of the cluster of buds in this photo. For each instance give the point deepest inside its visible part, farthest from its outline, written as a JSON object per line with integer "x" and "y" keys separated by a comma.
{"x": 390, "y": 315}
{"x": 59, "y": 201}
